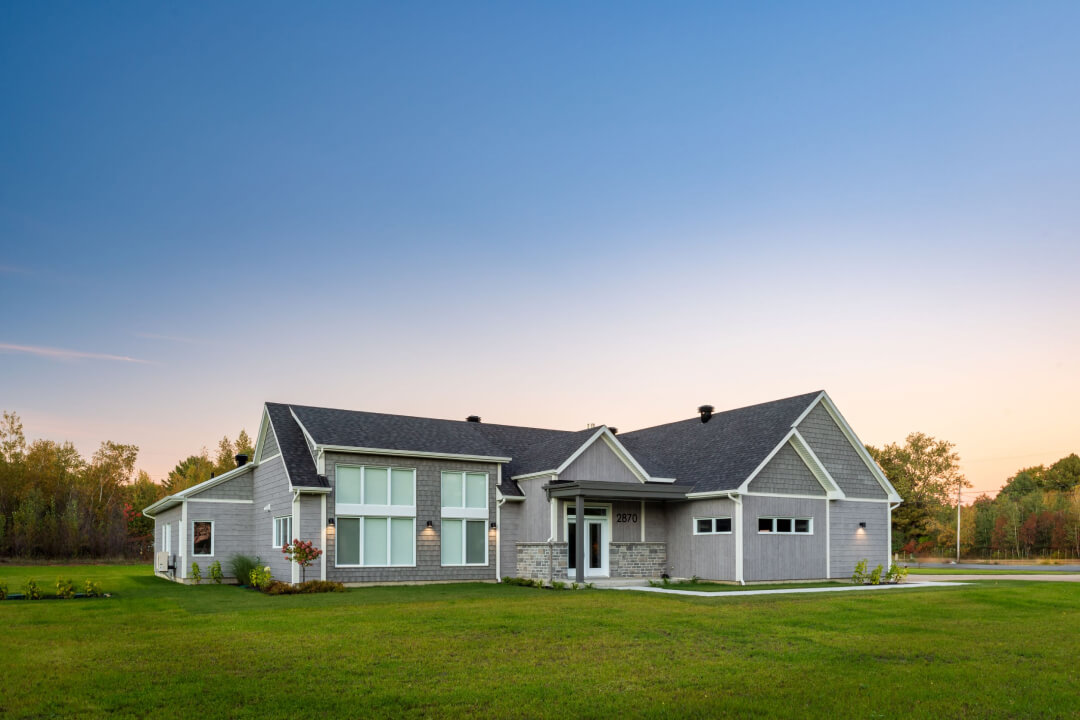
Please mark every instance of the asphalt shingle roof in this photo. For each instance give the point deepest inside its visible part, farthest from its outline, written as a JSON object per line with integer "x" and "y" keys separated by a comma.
{"x": 719, "y": 454}
{"x": 294, "y": 449}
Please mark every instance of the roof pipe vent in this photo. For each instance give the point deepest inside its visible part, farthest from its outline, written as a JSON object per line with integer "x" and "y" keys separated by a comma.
{"x": 473, "y": 418}
{"x": 706, "y": 412}
{"x": 241, "y": 460}
{"x": 614, "y": 430}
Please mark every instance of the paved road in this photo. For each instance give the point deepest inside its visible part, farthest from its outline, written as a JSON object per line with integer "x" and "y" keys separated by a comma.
{"x": 987, "y": 566}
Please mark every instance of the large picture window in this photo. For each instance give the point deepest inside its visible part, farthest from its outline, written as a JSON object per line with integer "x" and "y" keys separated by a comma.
{"x": 202, "y": 538}
{"x": 464, "y": 518}
{"x": 376, "y": 516}
{"x": 282, "y": 531}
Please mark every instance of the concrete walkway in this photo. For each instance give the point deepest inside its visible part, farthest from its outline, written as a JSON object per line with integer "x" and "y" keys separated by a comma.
{"x": 1057, "y": 577}
{"x": 842, "y": 588}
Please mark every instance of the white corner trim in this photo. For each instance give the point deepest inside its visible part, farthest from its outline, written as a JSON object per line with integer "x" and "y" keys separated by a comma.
{"x": 219, "y": 500}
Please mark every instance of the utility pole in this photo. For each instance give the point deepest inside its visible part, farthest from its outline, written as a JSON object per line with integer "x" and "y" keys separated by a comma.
{"x": 957, "y": 523}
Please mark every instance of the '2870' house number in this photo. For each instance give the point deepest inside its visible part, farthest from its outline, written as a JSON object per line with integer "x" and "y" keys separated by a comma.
{"x": 626, "y": 517}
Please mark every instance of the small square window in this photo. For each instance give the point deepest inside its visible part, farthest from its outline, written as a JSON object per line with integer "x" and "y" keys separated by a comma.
{"x": 802, "y": 526}
{"x": 764, "y": 525}
{"x": 723, "y": 525}
{"x": 704, "y": 525}
{"x": 783, "y": 525}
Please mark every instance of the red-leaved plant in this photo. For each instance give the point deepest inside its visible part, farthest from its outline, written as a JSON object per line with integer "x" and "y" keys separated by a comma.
{"x": 303, "y": 554}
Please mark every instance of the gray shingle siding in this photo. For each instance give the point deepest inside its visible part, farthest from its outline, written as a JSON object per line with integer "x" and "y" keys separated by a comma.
{"x": 428, "y": 507}
{"x": 849, "y": 544}
{"x": 831, "y": 446}
{"x": 783, "y": 557}
{"x": 232, "y": 533}
{"x": 271, "y": 489}
{"x": 270, "y": 444}
{"x": 170, "y": 518}
{"x": 786, "y": 474}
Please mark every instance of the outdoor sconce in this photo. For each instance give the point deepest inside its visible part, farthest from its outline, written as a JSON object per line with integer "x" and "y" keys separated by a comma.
{"x": 428, "y": 526}
{"x": 494, "y": 526}
{"x": 862, "y": 525}
{"x": 330, "y": 522}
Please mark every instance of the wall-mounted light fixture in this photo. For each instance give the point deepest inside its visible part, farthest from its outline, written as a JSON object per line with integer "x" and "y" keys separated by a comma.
{"x": 494, "y": 526}
{"x": 330, "y": 522}
{"x": 428, "y": 526}
{"x": 862, "y": 525}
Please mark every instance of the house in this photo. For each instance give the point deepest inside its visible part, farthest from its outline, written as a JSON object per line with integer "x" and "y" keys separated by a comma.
{"x": 783, "y": 490}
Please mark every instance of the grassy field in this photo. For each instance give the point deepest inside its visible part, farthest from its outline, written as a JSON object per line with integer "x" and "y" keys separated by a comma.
{"x": 724, "y": 587}
{"x": 995, "y": 649}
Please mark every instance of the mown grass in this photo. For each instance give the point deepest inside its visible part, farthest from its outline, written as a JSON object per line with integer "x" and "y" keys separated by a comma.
{"x": 992, "y": 649}
{"x": 723, "y": 587}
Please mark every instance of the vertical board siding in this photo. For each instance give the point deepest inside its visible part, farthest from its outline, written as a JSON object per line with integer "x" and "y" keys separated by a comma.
{"x": 270, "y": 444}
{"x": 787, "y": 474}
{"x": 272, "y": 499}
{"x": 831, "y": 446}
{"x": 772, "y": 556}
{"x": 599, "y": 462}
{"x": 629, "y": 530}
{"x": 849, "y": 543}
{"x": 535, "y": 511}
{"x": 655, "y": 522}
{"x": 710, "y": 557}
{"x": 509, "y": 536}
{"x": 428, "y": 507}
{"x": 235, "y": 488}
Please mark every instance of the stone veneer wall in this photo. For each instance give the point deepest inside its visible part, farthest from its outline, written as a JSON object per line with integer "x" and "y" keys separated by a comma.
{"x": 533, "y": 561}
{"x": 637, "y": 559}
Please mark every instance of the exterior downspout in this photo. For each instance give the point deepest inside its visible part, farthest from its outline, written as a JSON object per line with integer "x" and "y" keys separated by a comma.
{"x": 888, "y": 535}
{"x": 498, "y": 538}
{"x": 737, "y": 499}
{"x": 183, "y": 540}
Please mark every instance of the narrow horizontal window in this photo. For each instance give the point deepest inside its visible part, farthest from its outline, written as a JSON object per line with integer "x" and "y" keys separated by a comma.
{"x": 712, "y": 526}
{"x": 786, "y": 525}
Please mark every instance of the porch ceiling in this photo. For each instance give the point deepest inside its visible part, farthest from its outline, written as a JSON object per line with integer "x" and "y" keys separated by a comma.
{"x": 600, "y": 489}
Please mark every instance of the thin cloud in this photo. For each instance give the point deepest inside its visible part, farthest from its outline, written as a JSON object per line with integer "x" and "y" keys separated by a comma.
{"x": 170, "y": 338}
{"x": 62, "y": 354}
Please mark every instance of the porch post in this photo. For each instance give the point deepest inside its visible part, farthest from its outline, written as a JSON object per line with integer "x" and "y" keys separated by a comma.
{"x": 579, "y": 534}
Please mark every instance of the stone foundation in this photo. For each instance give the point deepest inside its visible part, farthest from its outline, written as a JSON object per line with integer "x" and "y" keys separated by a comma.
{"x": 637, "y": 559}
{"x": 534, "y": 560}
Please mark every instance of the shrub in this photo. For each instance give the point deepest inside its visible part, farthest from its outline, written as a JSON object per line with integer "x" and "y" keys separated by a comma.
{"x": 196, "y": 573}
{"x": 574, "y": 586}
{"x": 590, "y": 586}
{"x": 305, "y": 588}
{"x": 215, "y": 572}
{"x": 896, "y": 574}
{"x": 875, "y": 575}
{"x": 523, "y": 582}
{"x": 695, "y": 580}
{"x": 3, "y": 590}
{"x": 261, "y": 577}
{"x": 31, "y": 591}
{"x": 65, "y": 589}
{"x": 91, "y": 588}
{"x": 859, "y": 576}
{"x": 240, "y": 566}
{"x": 556, "y": 585}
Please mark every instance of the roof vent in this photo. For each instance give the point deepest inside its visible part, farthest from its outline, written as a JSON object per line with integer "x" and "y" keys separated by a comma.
{"x": 241, "y": 460}
{"x": 706, "y": 412}
{"x": 473, "y": 418}
{"x": 614, "y": 430}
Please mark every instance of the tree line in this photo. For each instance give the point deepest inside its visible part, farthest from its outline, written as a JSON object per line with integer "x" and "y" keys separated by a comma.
{"x": 1036, "y": 514}
{"x": 55, "y": 503}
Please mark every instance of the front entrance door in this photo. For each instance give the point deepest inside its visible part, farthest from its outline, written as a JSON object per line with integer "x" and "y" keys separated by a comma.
{"x": 596, "y": 547}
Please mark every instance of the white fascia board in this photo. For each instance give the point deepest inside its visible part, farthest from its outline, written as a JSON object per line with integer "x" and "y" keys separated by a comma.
{"x": 582, "y": 448}
{"x": 806, "y": 453}
{"x": 615, "y": 446}
{"x": 300, "y": 490}
{"x": 714, "y": 493}
{"x": 412, "y": 453}
{"x": 160, "y": 505}
{"x": 207, "y": 484}
{"x": 860, "y": 449}
{"x": 823, "y": 498}
{"x": 530, "y": 476}
{"x": 513, "y": 498}
{"x": 260, "y": 439}
{"x": 811, "y": 406}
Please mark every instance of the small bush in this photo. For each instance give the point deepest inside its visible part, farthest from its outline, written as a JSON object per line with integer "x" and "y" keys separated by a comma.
{"x": 574, "y": 586}
{"x": 523, "y": 582}
{"x": 261, "y": 577}
{"x": 556, "y": 585}
{"x": 3, "y": 590}
{"x": 896, "y": 574}
{"x": 196, "y": 573}
{"x": 240, "y": 567}
{"x": 589, "y": 586}
{"x": 875, "y": 575}
{"x": 305, "y": 588}
{"x": 91, "y": 588}
{"x": 695, "y": 580}
{"x": 859, "y": 576}
{"x": 215, "y": 572}
{"x": 65, "y": 589}
{"x": 655, "y": 583}
{"x": 31, "y": 591}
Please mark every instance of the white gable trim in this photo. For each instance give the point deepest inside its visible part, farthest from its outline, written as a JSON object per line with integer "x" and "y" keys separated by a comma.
{"x": 284, "y": 465}
{"x": 260, "y": 441}
{"x": 616, "y": 447}
{"x": 860, "y": 449}
{"x": 761, "y": 466}
{"x": 807, "y": 455}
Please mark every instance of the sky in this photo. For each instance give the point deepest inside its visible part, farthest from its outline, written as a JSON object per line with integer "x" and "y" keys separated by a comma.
{"x": 546, "y": 214}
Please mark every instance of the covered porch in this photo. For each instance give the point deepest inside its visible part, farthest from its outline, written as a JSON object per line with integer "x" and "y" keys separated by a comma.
{"x": 609, "y": 529}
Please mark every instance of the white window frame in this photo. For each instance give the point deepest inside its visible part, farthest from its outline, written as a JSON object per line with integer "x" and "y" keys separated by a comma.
{"x": 363, "y": 509}
{"x": 774, "y": 531}
{"x": 202, "y": 555}
{"x": 465, "y": 542}
{"x": 389, "y": 540}
{"x": 713, "y": 519}
{"x": 466, "y": 513}
{"x": 166, "y": 538}
{"x": 276, "y": 538}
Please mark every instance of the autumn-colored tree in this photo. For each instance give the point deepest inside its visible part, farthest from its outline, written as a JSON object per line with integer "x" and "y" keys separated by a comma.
{"x": 303, "y": 554}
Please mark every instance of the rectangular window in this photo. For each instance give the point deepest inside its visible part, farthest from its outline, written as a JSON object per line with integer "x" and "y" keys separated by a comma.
{"x": 202, "y": 538}
{"x": 376, "y": 516}
{"x": 282, "y": 531}
{"x": 464, "y": 542}
{"x": 166, "y": 538}
{"x": 712, "y": 526}
{"x": 375, "y": 541}
{"x": 465, "y": 491}
{"x": 786, "y": 525}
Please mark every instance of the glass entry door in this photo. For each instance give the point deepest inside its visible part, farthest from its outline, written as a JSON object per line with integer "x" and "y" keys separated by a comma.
{"x": 596, "y": 546}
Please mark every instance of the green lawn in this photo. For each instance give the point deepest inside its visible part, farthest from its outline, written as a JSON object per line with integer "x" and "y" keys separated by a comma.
{"x": 995, "y": 649}
{"x": 724, "y": 587}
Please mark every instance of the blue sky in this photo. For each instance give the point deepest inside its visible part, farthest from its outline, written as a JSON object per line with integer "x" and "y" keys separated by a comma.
{"x": 541, "y": 213}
